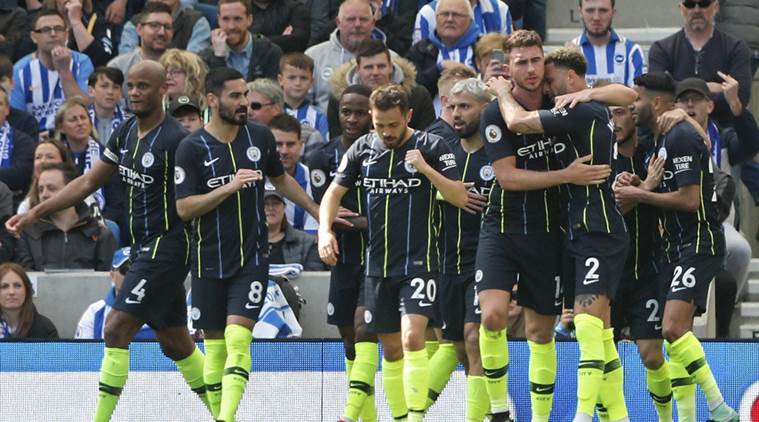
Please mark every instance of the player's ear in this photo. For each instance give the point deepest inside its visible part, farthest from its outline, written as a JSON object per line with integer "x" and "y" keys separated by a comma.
{"x": 408, "y": 116}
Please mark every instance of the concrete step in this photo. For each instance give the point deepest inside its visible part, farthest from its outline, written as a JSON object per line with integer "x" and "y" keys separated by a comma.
{"x": 641, "y": 35}
{"x": 753, "y": 290}
{"x": 653, "y": 13}
{"x": 749, "y": 331}
{"x": 753, "y": 268}
{"x": 749, "y": 309}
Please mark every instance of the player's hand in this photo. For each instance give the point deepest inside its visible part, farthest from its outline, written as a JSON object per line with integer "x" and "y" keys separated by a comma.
{"x": 15, "y": 225}
{"x": 626, "y": 196}
{"x": 580, "y": 173}
{"x": 501, "y": 86}
{"x": 571, "y": 100}
{"x": 328, "y": 249}
{"x": 416, "y": 159}
{"x": 655, "y": 174}
{"x": 626, "y": 179}
{"x": 475, "y": 202}
{"x": 343, "y": 217}
{"x": 494, "y": 69}
{"x": 74, "y": 10}
{"x": 61, "y": 59}
{"x": 669, "y": 119}
{"x": 288, "y": 30}
{"x": 219, "y": 43}
{"x": 730, "y": 89}
{"x": 244, "y": 177}
{"x": 116, "y": 12}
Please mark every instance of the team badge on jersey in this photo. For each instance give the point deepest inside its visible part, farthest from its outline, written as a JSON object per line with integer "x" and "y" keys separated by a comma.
{"x": 253, "y": 153}
{"x": 318, "y": 178}
{"x": 195, "y": 313}
{"x": 478, "y": 276}
{"x": 493, "y": 133}
{"x": 486, "y": 173}
{"x": 409, "y": 167}
{"x": 179, "y": 175}
{"x": 662, "y": 153}
{"x": 148, "y": 159}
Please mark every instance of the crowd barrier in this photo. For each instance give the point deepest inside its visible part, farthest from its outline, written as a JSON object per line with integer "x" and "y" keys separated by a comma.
{"x": 304, "y": 381}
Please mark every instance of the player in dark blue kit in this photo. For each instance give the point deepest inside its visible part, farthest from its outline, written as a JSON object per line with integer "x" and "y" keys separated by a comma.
{"x": 694, "y": 244}
{"x": 597, "y": 235}
{"x": 219, "y": 179}
{"x": 142, "y": 151}
{"x": 400, "y": 170}
{"x": 345, "y": 307}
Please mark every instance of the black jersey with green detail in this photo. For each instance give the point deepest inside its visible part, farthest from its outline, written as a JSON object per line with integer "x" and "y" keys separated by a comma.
{"x": 146, "y": 167}
{"x": 687, "y": 162}
{"x": 323, "y": 164}
{"x": 519, "y": 212}
{"x": 233, "y": 236}
{"x": 582, "y": 130}
{"x": 400, "y": 201}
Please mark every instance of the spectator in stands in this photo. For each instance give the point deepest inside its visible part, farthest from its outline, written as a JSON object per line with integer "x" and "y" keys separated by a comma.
{"x": 288, "y": 245}
{"x": 187, "y": 112}
{"x": 16, "y": 152}
{"x": 286, "y": 131}
{"x": 18, "y": 315}
{"x": 739, "y": 18}
{"x": 89, "y": 33}
{"x": 599, "y": 39}
{"x": 156, "y": 29}
{"x": 70, "y": 238}
{"x": 19, "y": 119}
{"x": 105, "y": 111}
{"x": 355, "y": 23}
{"x": 266, "y": 100}
{"x": 374, "y": 67}
{"x": 491, "y": 16}
{"x": 48, "y": 151}
{"x": 452, "y": 41}
{"x": 296, "y": 77}
{"x": 233, "y": 45}
{"x": 284, "y": 22}
{"x": 191, "y": 30}
{"x": 66, "y": 71}
{"x": 92, "y": 322}
{"x": 13, "y": 21}
{"x": 489, "y": 62}
{"x": 185, "y": 74}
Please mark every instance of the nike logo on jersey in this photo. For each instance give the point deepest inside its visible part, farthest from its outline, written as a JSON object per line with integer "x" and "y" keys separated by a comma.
{"x": 588, "y": 281}
{"x": 251, "y": 306}
{"x": 677, "y": 289}
{"x": 124, "y": 151}
{"x": 423, "y": 304}
{"x": 657, "y": 327}
{"x": 208, "y": 163}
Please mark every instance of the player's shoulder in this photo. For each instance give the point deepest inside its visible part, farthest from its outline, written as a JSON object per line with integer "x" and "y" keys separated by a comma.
{"x": 683, "y": 132}
{"x": 492, "y": 113}
{"x": 172, "y": 131}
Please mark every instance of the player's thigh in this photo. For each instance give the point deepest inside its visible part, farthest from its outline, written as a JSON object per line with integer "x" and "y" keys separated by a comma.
{"x": 246, "y": 294}
{"x": 209, "y": 304}
{"x": 418, "y": 293}
{"x": 644, "y": 310}
{"x": 381, "y": 305}
{"x": 598, "y": 259}
{"x": 540, "y": 269}
{"x": 345, "y": 284}
{"x": 495, "y": 266}
{"x": 452, "y": 302}
{"x": 690, "y": 277}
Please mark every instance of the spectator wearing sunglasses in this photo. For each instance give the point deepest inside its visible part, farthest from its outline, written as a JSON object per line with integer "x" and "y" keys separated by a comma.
{"x": 92, "y": 322}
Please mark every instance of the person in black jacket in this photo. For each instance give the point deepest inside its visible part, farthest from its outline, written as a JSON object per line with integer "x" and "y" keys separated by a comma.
{"x": 18, "y": 316}
{"x": 233, "y": 45}
{"x": 90, "y": 34}
{"x": 19, "y": 119}
{"x": 16, "y": 152}
{"x": 284, "y": 22}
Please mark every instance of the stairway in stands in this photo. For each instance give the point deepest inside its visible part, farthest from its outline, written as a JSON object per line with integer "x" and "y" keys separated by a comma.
{"x": 747, "y": 312}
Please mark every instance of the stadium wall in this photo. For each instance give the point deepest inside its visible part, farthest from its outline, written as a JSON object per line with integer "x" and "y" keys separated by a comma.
{"x": 304, "y": 381}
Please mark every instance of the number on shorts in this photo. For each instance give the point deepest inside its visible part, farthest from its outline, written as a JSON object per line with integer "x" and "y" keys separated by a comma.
{"x": 653, "y": 304}
{"x": 593, "y": 264}
{"x": 256, "y": 291}
{"x": 688, "y": 280}
{"x": 419, "y": 285}
{"x": 139, "y": 291}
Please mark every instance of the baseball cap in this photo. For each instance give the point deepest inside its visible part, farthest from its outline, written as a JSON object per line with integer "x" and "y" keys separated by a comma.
{"x": 692, "y": 84}
{"x": 270, "y": 191}
{"x": 183, "y": 101}
{"x": 120, "y": 257}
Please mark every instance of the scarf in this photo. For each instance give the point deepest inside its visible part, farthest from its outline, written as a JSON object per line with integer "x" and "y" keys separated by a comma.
{"x": 716, "y": 141}
{"x": 91, "y": 154}
{"x": 118, "y": 117}
{"x": 6, "y": 145}
{"x": 462, "y": 51}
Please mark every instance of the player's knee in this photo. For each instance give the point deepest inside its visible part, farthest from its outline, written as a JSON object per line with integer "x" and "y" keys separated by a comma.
{"x": 671, "y": 331}
{"x": 172, "y": 350}
{"x": 494, "y": 321}
{"x": 472, "y": 340}
{"x": 392, "y": 351}
{"x": 413, "y": 338}
{"x": 119, "y": 331}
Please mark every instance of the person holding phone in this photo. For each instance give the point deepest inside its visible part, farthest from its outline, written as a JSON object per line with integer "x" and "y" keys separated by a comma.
{"x": 490, "y": 57}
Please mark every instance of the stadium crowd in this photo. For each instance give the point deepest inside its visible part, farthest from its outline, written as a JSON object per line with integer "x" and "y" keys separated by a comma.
{"x": 79, "y": 78}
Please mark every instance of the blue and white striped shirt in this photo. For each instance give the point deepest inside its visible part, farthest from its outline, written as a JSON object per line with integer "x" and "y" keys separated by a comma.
{"x": 619, "y": 61}
{"x": 308, "y": 114}
{"x": 39, "y": 90}
{"x": 489, "y": 15}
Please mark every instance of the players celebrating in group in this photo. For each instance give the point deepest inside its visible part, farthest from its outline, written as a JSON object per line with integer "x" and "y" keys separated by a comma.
{"x": 531, "y": 181}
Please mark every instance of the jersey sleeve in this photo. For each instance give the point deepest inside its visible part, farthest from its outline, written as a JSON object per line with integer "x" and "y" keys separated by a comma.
{"x": 684, "y": 156}
{"x": 186, "y": 170}
{"x": 350, "y": 166}
{"x": 111, "y": 154}
{"x": 273, "y": 164}
{"x": 495, "y": 134}
{"x": 566, "y": 120}
{"x": 318, "y": 174}
{"x": 443, "y": 160}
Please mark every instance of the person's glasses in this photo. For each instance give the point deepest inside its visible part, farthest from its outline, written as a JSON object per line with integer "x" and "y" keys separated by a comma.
{"x": 175, "y": 72}
{"x": 690, "y": 4}
{"x": 155, "y": 26}
{"x": 259, "y": 106}
{"x": 47, "y": 30}
{"x": 454, "y": 15}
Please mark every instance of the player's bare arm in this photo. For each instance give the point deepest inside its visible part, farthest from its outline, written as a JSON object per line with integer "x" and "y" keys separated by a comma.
{"x": 613, "y": 94}
{"x": 72, "y": 194}
{"x": 194, "y": 206}
{"x": 516, "y": 117}
{"x": 669, "y": 119}
{"x": 512, "y": 178}
{"x": 328, "y": 249}
{"x": 291, "y": 190}
{"x": 686, "y": 198}
{"x": 453, "y": 191}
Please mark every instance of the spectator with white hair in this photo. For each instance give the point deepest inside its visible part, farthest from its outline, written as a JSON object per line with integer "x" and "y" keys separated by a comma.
{"x": 489, "y": 15}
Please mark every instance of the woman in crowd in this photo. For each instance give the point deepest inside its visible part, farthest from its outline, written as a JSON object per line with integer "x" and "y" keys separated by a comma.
{"x": 288, "y": 245}
{"x": 185, "y": 73}
{"x": 18, "y": 316}
{"x": 47, "y": 151}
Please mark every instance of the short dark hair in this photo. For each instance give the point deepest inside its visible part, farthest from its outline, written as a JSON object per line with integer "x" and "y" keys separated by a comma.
{"x": 6, "y": 67}
{"x": 568, "y": 58}
{"x": 661, "y": 82}
{"x": 246, "y": 3}
{"x": 612, "y": 3}
{"x": 47, "y": 12}
{"x": 388, "y": 97}
{"x": 523, "y": 38}
{"x": 285, "y": 123}
{"x": 297, "y": 60}
{"x": 370, "y": 48}
{"x": 111, "y": 73}
{"x": 215, "y": 80}
{"x": 359, "y": 89}
{"x": 154, "y": 7}
{"x": 69, "y": 171}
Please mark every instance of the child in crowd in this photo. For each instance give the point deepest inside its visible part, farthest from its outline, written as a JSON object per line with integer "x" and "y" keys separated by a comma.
{"x": 296, "y": 78}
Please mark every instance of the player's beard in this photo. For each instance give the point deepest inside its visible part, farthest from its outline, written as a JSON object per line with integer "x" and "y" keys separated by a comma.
{"x": 468, "y": 130}
{"x": 231, "y": 117}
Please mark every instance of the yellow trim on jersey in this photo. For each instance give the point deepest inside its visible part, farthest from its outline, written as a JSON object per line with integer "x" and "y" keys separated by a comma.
{"x": 155, "y": 248}
{"x": 387, "y": 210}
{"x": 200, "y": 239}
{"x": 503, "y": 212}
{"x": 637, "y": 227}
{"x": 166, "y": 190}
{"x": 187, "y": 247}
{"x": 458, "y": 226}
{"x": 239, "y": 206}
{"x": 545, "y": 197}
{"x": 430, "y": 217}
{"x": 361, "y": 233}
